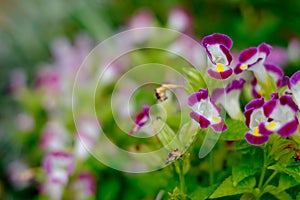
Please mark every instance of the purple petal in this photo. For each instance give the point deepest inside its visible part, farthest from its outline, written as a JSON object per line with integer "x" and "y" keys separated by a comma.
{"x": 227, "y": 54}
{"x": 256, "y": 140}
{"x": 265, "y": 48}
{"x": 197, "y": 97}
{"x": 262, "y": 129}
{"x": 237, "y": 69}
{"x": 220, "y": 127}
{"x": 235, "y": 85}
{"x": 142, "y": 117}
{"x": 247, "y": 54}
{"x": 274, "y": 69}
{"x": 254, "y": 92}
{"x": 248, "y": 114}
{"x": 62, "y": 157}
{"x": 288, "y": 100}
{"x": 269, "y": 107}
{"x": 217, "y": 38}
{"x": 220, "y": 75}
{"x": 295, "y": 78}
{"x": 289, "y": 129}
{"x": 217, "y": 94}
{"x": 203, "y": 121}
{"x": 254, "y": 104}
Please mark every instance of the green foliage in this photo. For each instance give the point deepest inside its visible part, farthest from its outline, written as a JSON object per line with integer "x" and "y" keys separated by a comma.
{"x": 228, "y": 188}
{"x": 235, "y": 130}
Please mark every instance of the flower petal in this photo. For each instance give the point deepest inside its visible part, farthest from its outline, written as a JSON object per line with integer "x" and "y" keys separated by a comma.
{"x": 197, "y": 97}
{"x": 220, "y": 127}
{"x": 256, "y": 140}
{"x": 203, "y": 121}
{"x": 220, "y": 75}
{"x": 289, "y": 128}
{"x": 217, "y": 38}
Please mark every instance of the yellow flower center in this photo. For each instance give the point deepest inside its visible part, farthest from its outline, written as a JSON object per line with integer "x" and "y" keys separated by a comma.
{"x": 244, "y": 67}
{"x": 216, "y": 119}
{"x": 271, "y": 125}
{"x": 255, "y": 132}
{"x": 220, "y": 67}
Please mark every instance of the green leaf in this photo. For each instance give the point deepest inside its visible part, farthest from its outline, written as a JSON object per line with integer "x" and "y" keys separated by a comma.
{"x": 242, "y": 171}
{"x": 298, "y": 196}
{"x": 228, "y": 189}
{"x": 248, "y": 196}
{"x": 202, "y": 193}
{"x": 187, "y": 135}
{"x": 193, "y": 79}
{"x": 281, "y": 195}
{"x": 286, "y": 182}
{"x": 166, "y": 135}
{"x": 235, "y": 130}
{"x": 293, "y": 171}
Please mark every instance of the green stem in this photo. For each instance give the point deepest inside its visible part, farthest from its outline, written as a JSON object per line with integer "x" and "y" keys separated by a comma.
{"x": 211, "y": 168}
{"x": 263, "y": 172}
{"x": 179, "y": 170}
{"x": 270, "y": 178}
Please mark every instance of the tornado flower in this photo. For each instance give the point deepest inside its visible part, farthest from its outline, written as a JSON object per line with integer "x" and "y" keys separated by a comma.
{"x": 253, "y": 59}
{"x": 217, "y": 48}
{"x": 281, "y": 113}
{"x": 205, "y": 112}
{"x": 229, "y": 98}
{"x": 141, "y": 119}
{"x": 294, "y": 85}
{"x": 254, "y": 115}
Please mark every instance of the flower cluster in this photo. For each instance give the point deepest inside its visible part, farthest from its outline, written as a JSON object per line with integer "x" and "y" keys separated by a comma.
{"x": 275, "y": 102}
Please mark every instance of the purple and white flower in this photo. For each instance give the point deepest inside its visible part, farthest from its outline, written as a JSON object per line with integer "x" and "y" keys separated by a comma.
{"x": 179, "y": 19}
{"x": 58, "y": 166}
{"x": 141, "y": 119}
{"x": 294, "y": 85}
{"x": 275, "y": 73}
{"x": 253, "y": 59}
{"x": 84, "y": 187}
{"x": 281, "y": 114}
{"x": 229, "y": 98}
{"x": 254, "y": 115}
{"x": 219, "y": 58}
{"x": 205, "y": 112}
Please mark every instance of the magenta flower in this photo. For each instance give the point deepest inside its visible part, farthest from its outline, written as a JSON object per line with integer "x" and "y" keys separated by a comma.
{"x": 179, "y": 19}
{"x": 253, "y": 59}
{"x": 281, "y": 113}
{"x": 229, "y": 98}
{"x": 205, "y": 112}
{"x": 294, "y": 85}
{"x": 275, "y": 73}
{"x": 141, "y": 119}
{"x": 84, "y": 186}
{"x": 58, "y": 166}
{"x": 254, "y": 115}
{"x": 217, "y": 48}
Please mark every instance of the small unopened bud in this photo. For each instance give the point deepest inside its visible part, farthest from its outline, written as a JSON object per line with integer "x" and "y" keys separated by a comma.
{"x": 161, "y": 92}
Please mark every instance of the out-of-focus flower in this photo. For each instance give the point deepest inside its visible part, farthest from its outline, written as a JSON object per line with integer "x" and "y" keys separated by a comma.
{"x": 84, "y": 186}
{"x": 281, "y": 113}
{"x": 294, "y": 85}
{"x": 253, "y": 59}
{"x": 187, "y": 47}
{"x": 17, "y": 82}
{"x": 19, "y": 174}
{"x": 179, "y": 20}
{"x": 278, "y": 56}
{"x": 205, "y": 112}
{"x": 25, "y": 122}
{"x": 229, "y": 98}
{"x": 58, "y": 166}
{"x": 254, "y": 115}
{"x": 217, "y": 47}
{"x": 141, "y": 119}
{"x": 55, "y": 137}
{"x": 294, "y": 50}
{"x": 87, "y": 136}
{"x": 275, "y": 73}
{"x": 142, "y": 18}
